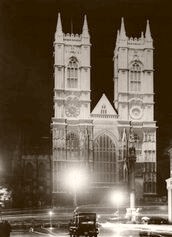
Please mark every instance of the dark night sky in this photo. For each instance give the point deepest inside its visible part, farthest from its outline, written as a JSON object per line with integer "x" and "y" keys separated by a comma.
{"x": 26, "y": 61}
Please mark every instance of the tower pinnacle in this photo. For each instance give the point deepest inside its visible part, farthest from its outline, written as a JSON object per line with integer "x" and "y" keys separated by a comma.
{"x": 59, "y": 24}
{"x": 59, "y": 32}
{"x": 122, "y": 30}
{"x": 85, "y": 33}
{"x": 148, "y": 33}
{"x": 85, "y": 27}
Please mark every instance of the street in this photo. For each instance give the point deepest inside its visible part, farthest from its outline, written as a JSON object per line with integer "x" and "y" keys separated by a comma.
{"x": 109, "y": 230}
{"x": 24, "y": 234}
{"x": 36, "y": 234}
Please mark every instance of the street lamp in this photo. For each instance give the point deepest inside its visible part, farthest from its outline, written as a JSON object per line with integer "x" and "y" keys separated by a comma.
{"x": 50, "y": 215}
{"x": 117, "y": 198}
{"x": 75, "y": 179}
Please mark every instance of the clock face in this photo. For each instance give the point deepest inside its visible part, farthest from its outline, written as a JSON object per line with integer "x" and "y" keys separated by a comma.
{"x": 72, "y": 107}
{"x": 136, "y": 112}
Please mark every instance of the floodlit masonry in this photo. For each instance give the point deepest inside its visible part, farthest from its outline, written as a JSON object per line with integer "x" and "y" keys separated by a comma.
{"x": 96, "y": 141}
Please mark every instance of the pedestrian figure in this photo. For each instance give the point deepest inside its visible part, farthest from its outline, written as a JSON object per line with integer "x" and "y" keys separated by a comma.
{"x": 31, "y": 229}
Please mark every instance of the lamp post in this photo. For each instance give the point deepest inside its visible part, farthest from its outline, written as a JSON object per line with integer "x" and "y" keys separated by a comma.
{"x": 74, "y": 185}
{"x": 132, "y": 160}
{"x": 50, "y": 214}
{"x": 75, "y": 197}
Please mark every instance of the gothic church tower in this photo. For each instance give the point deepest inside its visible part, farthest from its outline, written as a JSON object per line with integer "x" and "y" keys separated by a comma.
{"x": 134, "y": 100}
{"x": 95, "y": 141}
{"x": 71, "y": 124}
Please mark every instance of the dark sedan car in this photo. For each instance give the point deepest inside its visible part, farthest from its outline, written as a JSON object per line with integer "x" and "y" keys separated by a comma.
{"x": 154, "y": 220}
{"x": 84, "y": 224}
{"x": 155, "y": 234}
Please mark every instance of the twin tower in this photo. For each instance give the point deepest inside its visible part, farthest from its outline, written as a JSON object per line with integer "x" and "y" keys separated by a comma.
{"x": 90, "y": 147}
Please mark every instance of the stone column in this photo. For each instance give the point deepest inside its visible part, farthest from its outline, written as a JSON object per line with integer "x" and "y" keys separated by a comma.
{"x": 169, "y": 188}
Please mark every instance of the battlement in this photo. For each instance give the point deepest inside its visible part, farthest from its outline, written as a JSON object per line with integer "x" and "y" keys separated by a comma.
{"x": 72, "y": 37}
{"x": 136, "y": 41}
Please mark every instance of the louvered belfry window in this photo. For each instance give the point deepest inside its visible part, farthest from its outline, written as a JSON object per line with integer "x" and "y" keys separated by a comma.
{"x": 135, "y": 77}
{"x": 72, "y": 73}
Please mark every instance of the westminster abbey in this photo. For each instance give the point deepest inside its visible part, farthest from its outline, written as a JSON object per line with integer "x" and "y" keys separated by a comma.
{"x": 94, "y": 143}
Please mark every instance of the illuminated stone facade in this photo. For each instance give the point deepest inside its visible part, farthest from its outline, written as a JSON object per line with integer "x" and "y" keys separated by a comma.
{"x": 96, "y": 141}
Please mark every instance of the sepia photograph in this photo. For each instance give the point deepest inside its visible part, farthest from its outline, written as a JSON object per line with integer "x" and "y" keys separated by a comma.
{"x": 86, "y": 118}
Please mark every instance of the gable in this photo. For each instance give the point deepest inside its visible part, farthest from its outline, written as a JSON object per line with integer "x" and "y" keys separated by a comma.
{"x": 104, "y": 107}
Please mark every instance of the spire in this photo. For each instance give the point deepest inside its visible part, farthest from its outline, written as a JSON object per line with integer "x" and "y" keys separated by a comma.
{"x": 85, "y": 27}
{"x": 85, "y": 33}
{"x": 59, "y": 32}
{"x": 122, "y": 30}
{"x": 59, "y": 24}
{"x": 148, "y": 33}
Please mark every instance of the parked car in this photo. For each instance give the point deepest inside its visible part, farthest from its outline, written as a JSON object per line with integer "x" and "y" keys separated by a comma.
{"x": 83, "y": 224}
{"x": 155, "y": 234}
{"x": 154, "y": 220}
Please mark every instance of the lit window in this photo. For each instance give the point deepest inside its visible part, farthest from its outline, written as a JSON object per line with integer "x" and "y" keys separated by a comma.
{"x": 135, "y": 77}
{"x": 72, "y": 73}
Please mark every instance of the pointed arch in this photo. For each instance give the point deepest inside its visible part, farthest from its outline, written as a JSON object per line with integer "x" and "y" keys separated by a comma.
{"x": 109, "y": 134}
{"x": 137, "y": 61}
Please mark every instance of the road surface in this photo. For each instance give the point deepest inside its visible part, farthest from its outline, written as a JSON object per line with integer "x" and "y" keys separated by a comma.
{"x": 107, "y": 230}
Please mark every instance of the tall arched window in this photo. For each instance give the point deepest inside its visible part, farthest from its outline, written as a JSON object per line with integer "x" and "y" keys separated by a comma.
{"x": 72, "y": 73}
{"x": 104, "y": 160}
{"x": 135, "y": 77}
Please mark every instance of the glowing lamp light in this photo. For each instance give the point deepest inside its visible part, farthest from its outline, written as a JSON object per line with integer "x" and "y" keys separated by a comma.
{"x": 75, "y": 179}
{"x": 50, "y": 214}
{"x": 117, "y": 197}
